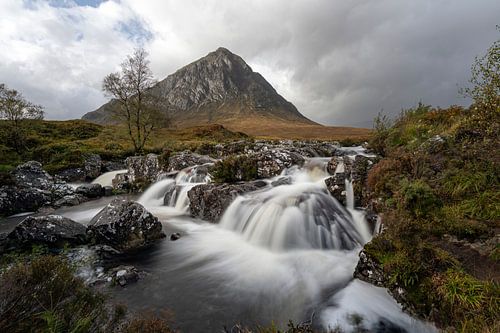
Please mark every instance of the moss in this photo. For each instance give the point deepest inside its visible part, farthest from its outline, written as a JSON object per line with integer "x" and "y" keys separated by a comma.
{"x": 234, "y": 169}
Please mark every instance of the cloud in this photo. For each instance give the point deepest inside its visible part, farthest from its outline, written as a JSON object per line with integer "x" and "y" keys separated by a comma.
{"x": 340, "y": 62}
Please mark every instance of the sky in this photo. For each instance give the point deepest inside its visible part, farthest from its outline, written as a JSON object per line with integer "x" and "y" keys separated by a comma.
{"x": 340, "y": 62}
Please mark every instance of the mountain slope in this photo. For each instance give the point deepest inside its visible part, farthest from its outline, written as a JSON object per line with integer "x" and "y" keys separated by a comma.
{"x": 218, "y": 88}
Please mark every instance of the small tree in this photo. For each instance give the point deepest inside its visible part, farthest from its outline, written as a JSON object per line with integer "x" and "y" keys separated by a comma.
{"x": 139, "y": 109}
{"x": 485, "y": 84}
{"x": 15, "y": 109}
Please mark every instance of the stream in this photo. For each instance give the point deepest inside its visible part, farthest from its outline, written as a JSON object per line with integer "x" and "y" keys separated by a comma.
{"x": 285, "y": 252}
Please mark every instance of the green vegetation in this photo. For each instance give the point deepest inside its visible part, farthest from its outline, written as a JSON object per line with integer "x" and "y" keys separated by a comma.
{"x": 61, "y": 145}
{"x": 439, "y": 179}
{"x": 42, "y": 294}
{"x": 235, "y": 168}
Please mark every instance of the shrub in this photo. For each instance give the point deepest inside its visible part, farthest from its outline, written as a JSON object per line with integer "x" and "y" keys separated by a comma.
{"x": 234, "y": 169}
{"x": 417, "y": 197}
{"x": 46, "y": 296}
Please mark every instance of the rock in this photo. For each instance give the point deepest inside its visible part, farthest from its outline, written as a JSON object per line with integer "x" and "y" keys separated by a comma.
{"x": 90, "y": 190}
{"x": 72, "y": 175}
{"x": 125, "y": 225}
{"x": 143, "y": 168}
{"x": 31, "y": 174}
{"x": 369, "y": 270}
{"x": 187, "y": 159}
{"x": 70, "y": 200}
{"x": 175, "y": 236}
{"x": 209, "y": 201}
{"x": 113, "y": 166}
{"x": 108, "y": 191}
{"x": 336, "y": 186}
{"x": 92, "y": 166}
{"x": 53, "y": 230}
{"x": 332, "y": 165}
{"x": 15, "y": 199}
{"x": 272, "y": 162}
{"x": 281, "y": 181}
{"x": 123, "y": 275}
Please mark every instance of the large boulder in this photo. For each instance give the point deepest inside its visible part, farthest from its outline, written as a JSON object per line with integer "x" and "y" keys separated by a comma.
{"x": 92, "y": 166}
{"x": 125, "y": 225}
{"x": 186, "y": 159}
{"x": 209, "y": 201}
{"x": 90, "y": 190}
{"x": 272, "y": 162}
{"x": 15, "y": 199}
{"x": 52, "y": 230}
{"x": 143, "y": 168}
{"x": 31, "y": 174}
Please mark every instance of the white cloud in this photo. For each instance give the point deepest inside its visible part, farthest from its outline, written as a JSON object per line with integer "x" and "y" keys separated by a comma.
{"x": 339, "y": 61}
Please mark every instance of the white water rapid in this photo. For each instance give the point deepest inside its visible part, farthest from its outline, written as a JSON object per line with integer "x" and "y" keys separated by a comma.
{"x": 106, "y": 179}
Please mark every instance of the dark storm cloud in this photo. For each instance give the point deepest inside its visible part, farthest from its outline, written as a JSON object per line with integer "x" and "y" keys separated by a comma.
{"x": 340, "y": 62}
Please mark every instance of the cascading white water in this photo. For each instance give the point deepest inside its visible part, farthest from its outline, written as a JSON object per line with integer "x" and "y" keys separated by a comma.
{"x": 349, "y": 194}
{"x": 299, "y": 215}
{"x": 106, "y": 179}
{"x": 174, "y": 192}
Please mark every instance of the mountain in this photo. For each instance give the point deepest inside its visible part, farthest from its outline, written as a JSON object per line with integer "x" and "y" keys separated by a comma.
{"x": 218, "y": 88}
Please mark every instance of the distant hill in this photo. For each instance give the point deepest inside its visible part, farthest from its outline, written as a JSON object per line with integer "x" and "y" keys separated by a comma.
{"x": 221, "y": 88}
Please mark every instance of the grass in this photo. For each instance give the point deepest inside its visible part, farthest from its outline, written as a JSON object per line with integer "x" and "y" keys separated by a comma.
{"x": 438, "y": 176}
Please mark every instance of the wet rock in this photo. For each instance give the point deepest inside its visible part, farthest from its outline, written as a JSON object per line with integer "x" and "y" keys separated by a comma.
{"x": 53, "y": 230}
{"x": 209, "y": 201}
{"x": 123, "y": 275}
{"x": 143, "y": 168}
{"x": 92, "y": 166}
{"x": 108, "y": 191}
{"x": 187, "y": 159}
{"x": 332, "y": 165}
{"x": 336, "y": 186}
{"x": 282, "y": 181}
{"x": 272, "y": 162}
{"x": 113, "y": 166}
{"x": 125, "y": 225}
{"x": 369, "y": 270}
{"x": 90, "y": 190}
{"x": 70, "y": 200}
{"x": 31, "y": 174}
{"x": 72, "y": 175}
{"x": 175, "y": 236}
{"x": 15, "y": 199}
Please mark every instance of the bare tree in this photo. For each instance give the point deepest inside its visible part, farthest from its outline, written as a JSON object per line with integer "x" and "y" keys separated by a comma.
{"x": 139, "y": 109}
{"x": 15, "y": 109}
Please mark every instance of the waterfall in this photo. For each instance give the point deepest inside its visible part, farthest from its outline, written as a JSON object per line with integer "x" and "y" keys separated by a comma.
{"x": 106, "y": 179}
{"x": 174, "y": 192}
{"x": 297, "y": 216}
{"x": 349, "y": 194}
{"x": 154, "y": 195}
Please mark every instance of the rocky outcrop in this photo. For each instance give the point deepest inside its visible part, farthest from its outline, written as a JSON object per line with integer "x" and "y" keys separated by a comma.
{"x": 32, "y": 188}
{"x": 209, "y": 201}
{"x": 125, "y": 225}
{"x": 90, "y": 190}
{"x": 186, "y": 159}
{"x": 52, "y": 230}
{"x": 272, "y": 162}
{"x": 369, "y": 270}
{"x": 92, "y": 167}
{"x": 143, "y": 168}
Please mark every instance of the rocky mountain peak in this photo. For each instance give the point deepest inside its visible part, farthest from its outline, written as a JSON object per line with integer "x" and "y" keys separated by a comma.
{"x": 215, "y": 88}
